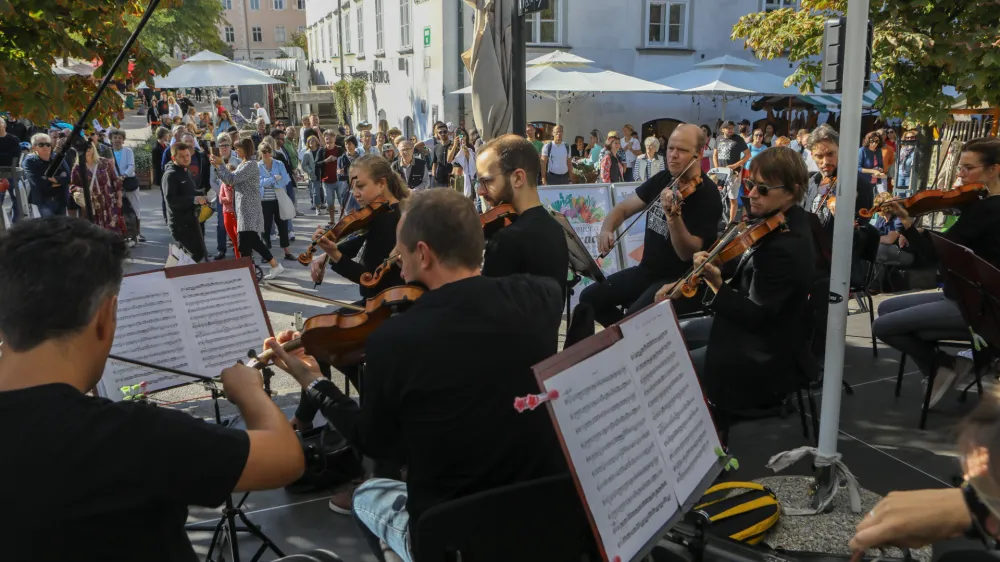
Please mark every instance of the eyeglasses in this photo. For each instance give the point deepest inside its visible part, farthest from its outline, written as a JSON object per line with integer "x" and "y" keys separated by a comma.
{"x": 758, "y": 135}
{"x": 967, "y": 169}
{"x": 44, "y": 145}
{"x": 265, "y": 152}
{"x": 761, "y": 188}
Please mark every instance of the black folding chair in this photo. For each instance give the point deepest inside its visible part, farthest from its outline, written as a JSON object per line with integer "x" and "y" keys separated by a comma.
{"x": 537, "y": 521}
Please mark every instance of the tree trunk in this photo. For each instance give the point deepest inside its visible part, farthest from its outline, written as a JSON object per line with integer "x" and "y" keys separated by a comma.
{"x": 923, "y": 153}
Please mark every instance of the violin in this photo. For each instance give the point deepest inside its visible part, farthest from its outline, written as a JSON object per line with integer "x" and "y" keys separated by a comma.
{"x": 372, "y": 279}
{"x": 733, "y": 243}
{"x": 680, "y": 187}
{"x": 829, "y": 198}
{"x": 497, "y": 218}
{"x": 933, "y": 200}
{"x": 339, "y": 338}
{"x": 353, "y": 223}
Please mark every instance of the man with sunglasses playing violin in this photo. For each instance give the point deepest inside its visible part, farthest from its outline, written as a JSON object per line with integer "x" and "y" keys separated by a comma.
{"x": 747, "y": 354}
{"x": 535, "y": 243}
{"x": 674, "y": 231}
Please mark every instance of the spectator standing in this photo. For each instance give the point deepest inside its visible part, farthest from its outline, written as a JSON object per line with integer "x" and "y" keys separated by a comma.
{"x": 273, "y": 176}
{"x": 351, "y": 153}
{"x": 756, "y": 147}
{"x": 173, "y": 108}
{"x": 258, "y": 135}
{"x": 463, "y": 155}
{"x": 556, "y": 160}
{"x": 10, "y": 155}
{"x": 184, "y": 202}
{"x": 441, "y": 167}
{"x": 630, "y": 143}
{"x": 769, "y": 135}
{"x": 612, "y": 160}
{"x": 162, "y": 138}
{"x": 326, "y": 170}
{"x": 309, "y": 169}
{"x": 532, "y": 135}
{"x": 870, "y": 160}
{"x": 225, "y": 123}
{"x": 105, "y": 189}
{"x": 650, "y": 163}
{"x": 413, "y": 170}
{"x": 904, "y": 160}
{"x": 47, "y": 194}
{"x": 731, "y": 152}
{"x": 888, "y": 156}
{"x": 261, "y": 113}
{"x": 226, "y": 224}
{"x": 234, "y": 99}
{"x": 596, "y": 148}
{"x": 125, "y": 166}
{"x": 706, "y": 152}
{"x": 579, "y": 148}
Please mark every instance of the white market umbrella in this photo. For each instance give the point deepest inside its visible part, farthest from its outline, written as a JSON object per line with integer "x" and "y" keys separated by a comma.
{"x": 210, "y": 70}
{"x": 728, "y": 77}
{"x": 560, "y": 77}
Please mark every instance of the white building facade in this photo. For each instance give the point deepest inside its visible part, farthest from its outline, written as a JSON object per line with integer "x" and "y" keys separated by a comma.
{"x": 412, "y": 51}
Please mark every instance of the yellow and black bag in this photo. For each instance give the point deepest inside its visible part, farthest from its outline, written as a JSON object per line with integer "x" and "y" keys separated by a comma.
{"x": 743, "y": 516}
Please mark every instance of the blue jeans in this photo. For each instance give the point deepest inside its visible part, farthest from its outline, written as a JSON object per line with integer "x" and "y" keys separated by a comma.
{"x": 220, "y": 231}
{"x": 335, "y": 192}
{"x": 52, "y": 208}
{"x": 290, "y": 190}
{"x": 379, "y": 507}
{"x": 317, "y": 193}
{"x": 15, "y": 208}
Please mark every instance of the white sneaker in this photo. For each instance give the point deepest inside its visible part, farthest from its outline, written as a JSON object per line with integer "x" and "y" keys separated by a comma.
{"x": 943, "y": 382}
{"x": 275, "y": 271}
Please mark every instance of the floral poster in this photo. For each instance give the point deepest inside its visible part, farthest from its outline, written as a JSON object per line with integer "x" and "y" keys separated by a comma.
{"x": 633, "y": 242}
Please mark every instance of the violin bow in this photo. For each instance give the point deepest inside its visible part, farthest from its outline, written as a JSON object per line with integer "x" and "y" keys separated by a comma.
{"x": 672, "y": 187}
{"x": 60, "y": 154}
{"x": 280, "y": 288}
{"x": 170, "y": 370}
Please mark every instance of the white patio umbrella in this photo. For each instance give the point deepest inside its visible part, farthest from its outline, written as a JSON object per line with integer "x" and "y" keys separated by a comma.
{"x": 208, "y": 70}
{"x": 488, "y": 62}
{"x": 728, "y": 77}
{"x": 562, "y": 76}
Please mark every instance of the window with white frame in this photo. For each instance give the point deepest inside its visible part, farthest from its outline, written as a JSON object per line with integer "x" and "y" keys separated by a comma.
{"x": 229, "y": 34}
{"x": 545, "y": 27}
{"x": 279, "y": 34}
{"x": 258, "y": 35}
{"x": 311, "y": 45}
{"x": 227, "y": 4}
{"x": 301, "y": 4}
{"x": 332, "y": 45}
{"x": 667, "y": 23}
{"x": 379, "y": 39}
{"x": 254, "y": 4}
{"x": 279, "y": 4}
{"x": 348, "y": 47}
{"x": 320, "y": 44}
{"x": 361, "y": 29}
{"x": 770, "y": 5}
{"x": 405, "y": 38}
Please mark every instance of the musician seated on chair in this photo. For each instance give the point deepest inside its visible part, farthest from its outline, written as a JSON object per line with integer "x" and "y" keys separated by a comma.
{"x": 428, "y": 386}
{"x": 671, "y": 238}
{"x": 748, "y": 353}
{"x": 535, "y": 243}
{"x": 86, "y": 477}
{"x": 913, "y": 323}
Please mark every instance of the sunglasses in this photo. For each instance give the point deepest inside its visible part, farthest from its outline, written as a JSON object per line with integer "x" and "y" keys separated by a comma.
{"x": 44, "y": 144}
{"x": 265, "y": 152}
{"x": 761, "y": 188}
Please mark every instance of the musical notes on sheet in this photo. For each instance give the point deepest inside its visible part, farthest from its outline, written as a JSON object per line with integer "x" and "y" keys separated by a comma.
{"x": 620, "y": 467}
{"x": 200, "y": 323}
{"x": 670, "y": 389}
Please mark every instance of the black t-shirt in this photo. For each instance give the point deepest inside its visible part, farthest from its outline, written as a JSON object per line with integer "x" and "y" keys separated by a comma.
{"x": 730, "y": 150}
{"x": 443, "y": 166}
{"x": 90, "y": 479}
{"x": 702, "y": 211}
{"x": 460, "y": 432}
{"x": 977, "y": 228}
{"x": 377, "y": 245}
{"x": 534, "y": 244}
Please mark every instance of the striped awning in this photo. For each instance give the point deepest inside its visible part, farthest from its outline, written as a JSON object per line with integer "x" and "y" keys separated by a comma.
{"x": 832, "y": 101}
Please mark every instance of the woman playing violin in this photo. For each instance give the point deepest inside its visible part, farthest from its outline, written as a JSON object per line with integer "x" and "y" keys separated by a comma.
{"x": 902, "y": 320}
{"x": 371, "y": 177}
{"x": 747, "y": 354}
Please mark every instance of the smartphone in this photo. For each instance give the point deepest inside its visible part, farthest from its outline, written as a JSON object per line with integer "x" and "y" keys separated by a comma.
{"x": 215, "y": 152}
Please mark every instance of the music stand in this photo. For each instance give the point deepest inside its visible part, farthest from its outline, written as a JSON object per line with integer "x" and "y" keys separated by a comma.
{"x": 581, "y": 263}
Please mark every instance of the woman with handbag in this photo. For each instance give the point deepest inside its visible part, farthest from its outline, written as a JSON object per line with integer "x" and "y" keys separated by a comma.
{"x": 273, "y": 177}
{"x": 105, "y": 189}
{"x": 125, "y": 165}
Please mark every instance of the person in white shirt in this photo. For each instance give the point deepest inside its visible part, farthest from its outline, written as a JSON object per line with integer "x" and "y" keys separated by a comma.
{"x": 261, "y": 113}
{"x": 632, "y": 148}
{"x": 650, "y": 163}
{"x": 556, "y": 162}
{"x": 125, "y": 164}
{"x": 174, "y": 108}
{"x": 799, "y": 145}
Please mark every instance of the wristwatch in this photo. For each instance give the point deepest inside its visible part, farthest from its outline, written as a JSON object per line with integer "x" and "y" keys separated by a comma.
{"x": 980, "y": 513}
{"x": 313, "y": 384}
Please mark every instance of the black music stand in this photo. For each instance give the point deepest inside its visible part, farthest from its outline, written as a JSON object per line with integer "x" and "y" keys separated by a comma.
{"x": 581, "y": 263}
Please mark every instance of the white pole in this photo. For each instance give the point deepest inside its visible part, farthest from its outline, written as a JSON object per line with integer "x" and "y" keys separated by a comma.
{"x": 724, "y": 100}
{"x": 843, "y": 231}
{"x": 558, "y": 108}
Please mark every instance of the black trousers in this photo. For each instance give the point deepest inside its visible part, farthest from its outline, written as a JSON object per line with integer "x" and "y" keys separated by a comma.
{"x": 250, "y": 242}
{"x": 272, "y": 216}
{"x": 632, "y": 288}
{"x": 190, "y": 237}
{"x": 307, "y": 407}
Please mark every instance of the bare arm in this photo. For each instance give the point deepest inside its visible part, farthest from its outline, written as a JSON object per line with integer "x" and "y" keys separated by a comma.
{"x": 743, "y": 160}
{"x": 619, "y": 213}
{"x": 715, "y": 158}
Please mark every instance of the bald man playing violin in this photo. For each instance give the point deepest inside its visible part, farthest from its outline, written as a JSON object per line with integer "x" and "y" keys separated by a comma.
{"x": 747, "y": 353}
{"x": 674, "y": 231}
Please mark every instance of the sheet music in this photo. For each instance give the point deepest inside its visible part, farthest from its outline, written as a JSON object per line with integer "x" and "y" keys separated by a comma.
{"x": 198, "y": 323}
{"x": 624, "y": 476}
{"x": 669, "y": 388}
{"x": 224, "y": 315}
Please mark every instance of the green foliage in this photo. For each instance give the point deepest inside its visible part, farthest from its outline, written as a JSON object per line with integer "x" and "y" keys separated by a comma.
{"x": 298, "y": 40}
{"x": 358, "y": 88}
{"x": 342, "y": 98}
{"x": 36, "y": 34}
{"x": 190, "y": 25}
{"x": 919, "y": 47}
{"x": 143, "y": 157}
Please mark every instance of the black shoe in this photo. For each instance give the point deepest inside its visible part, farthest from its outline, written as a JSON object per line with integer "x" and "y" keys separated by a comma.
{"x": 290, "y": 257}
{"x": 220, "y": 256}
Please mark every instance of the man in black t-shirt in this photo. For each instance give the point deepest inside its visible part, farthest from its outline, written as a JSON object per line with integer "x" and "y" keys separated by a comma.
{"x": 671, "y": 238}
{"x": 76, "y": 466}
{"x": 459, "y": 433}
{"x": 732, "y": 152}
{"x": 441, "y": 168}
{"x": 535, "y": 243}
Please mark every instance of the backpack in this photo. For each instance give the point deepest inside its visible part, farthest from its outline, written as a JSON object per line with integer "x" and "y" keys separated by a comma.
{"x": 743, "y": 516}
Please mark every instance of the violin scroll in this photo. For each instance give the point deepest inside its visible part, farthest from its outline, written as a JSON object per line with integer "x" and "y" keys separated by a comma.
{"x": 372, "y": 279}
